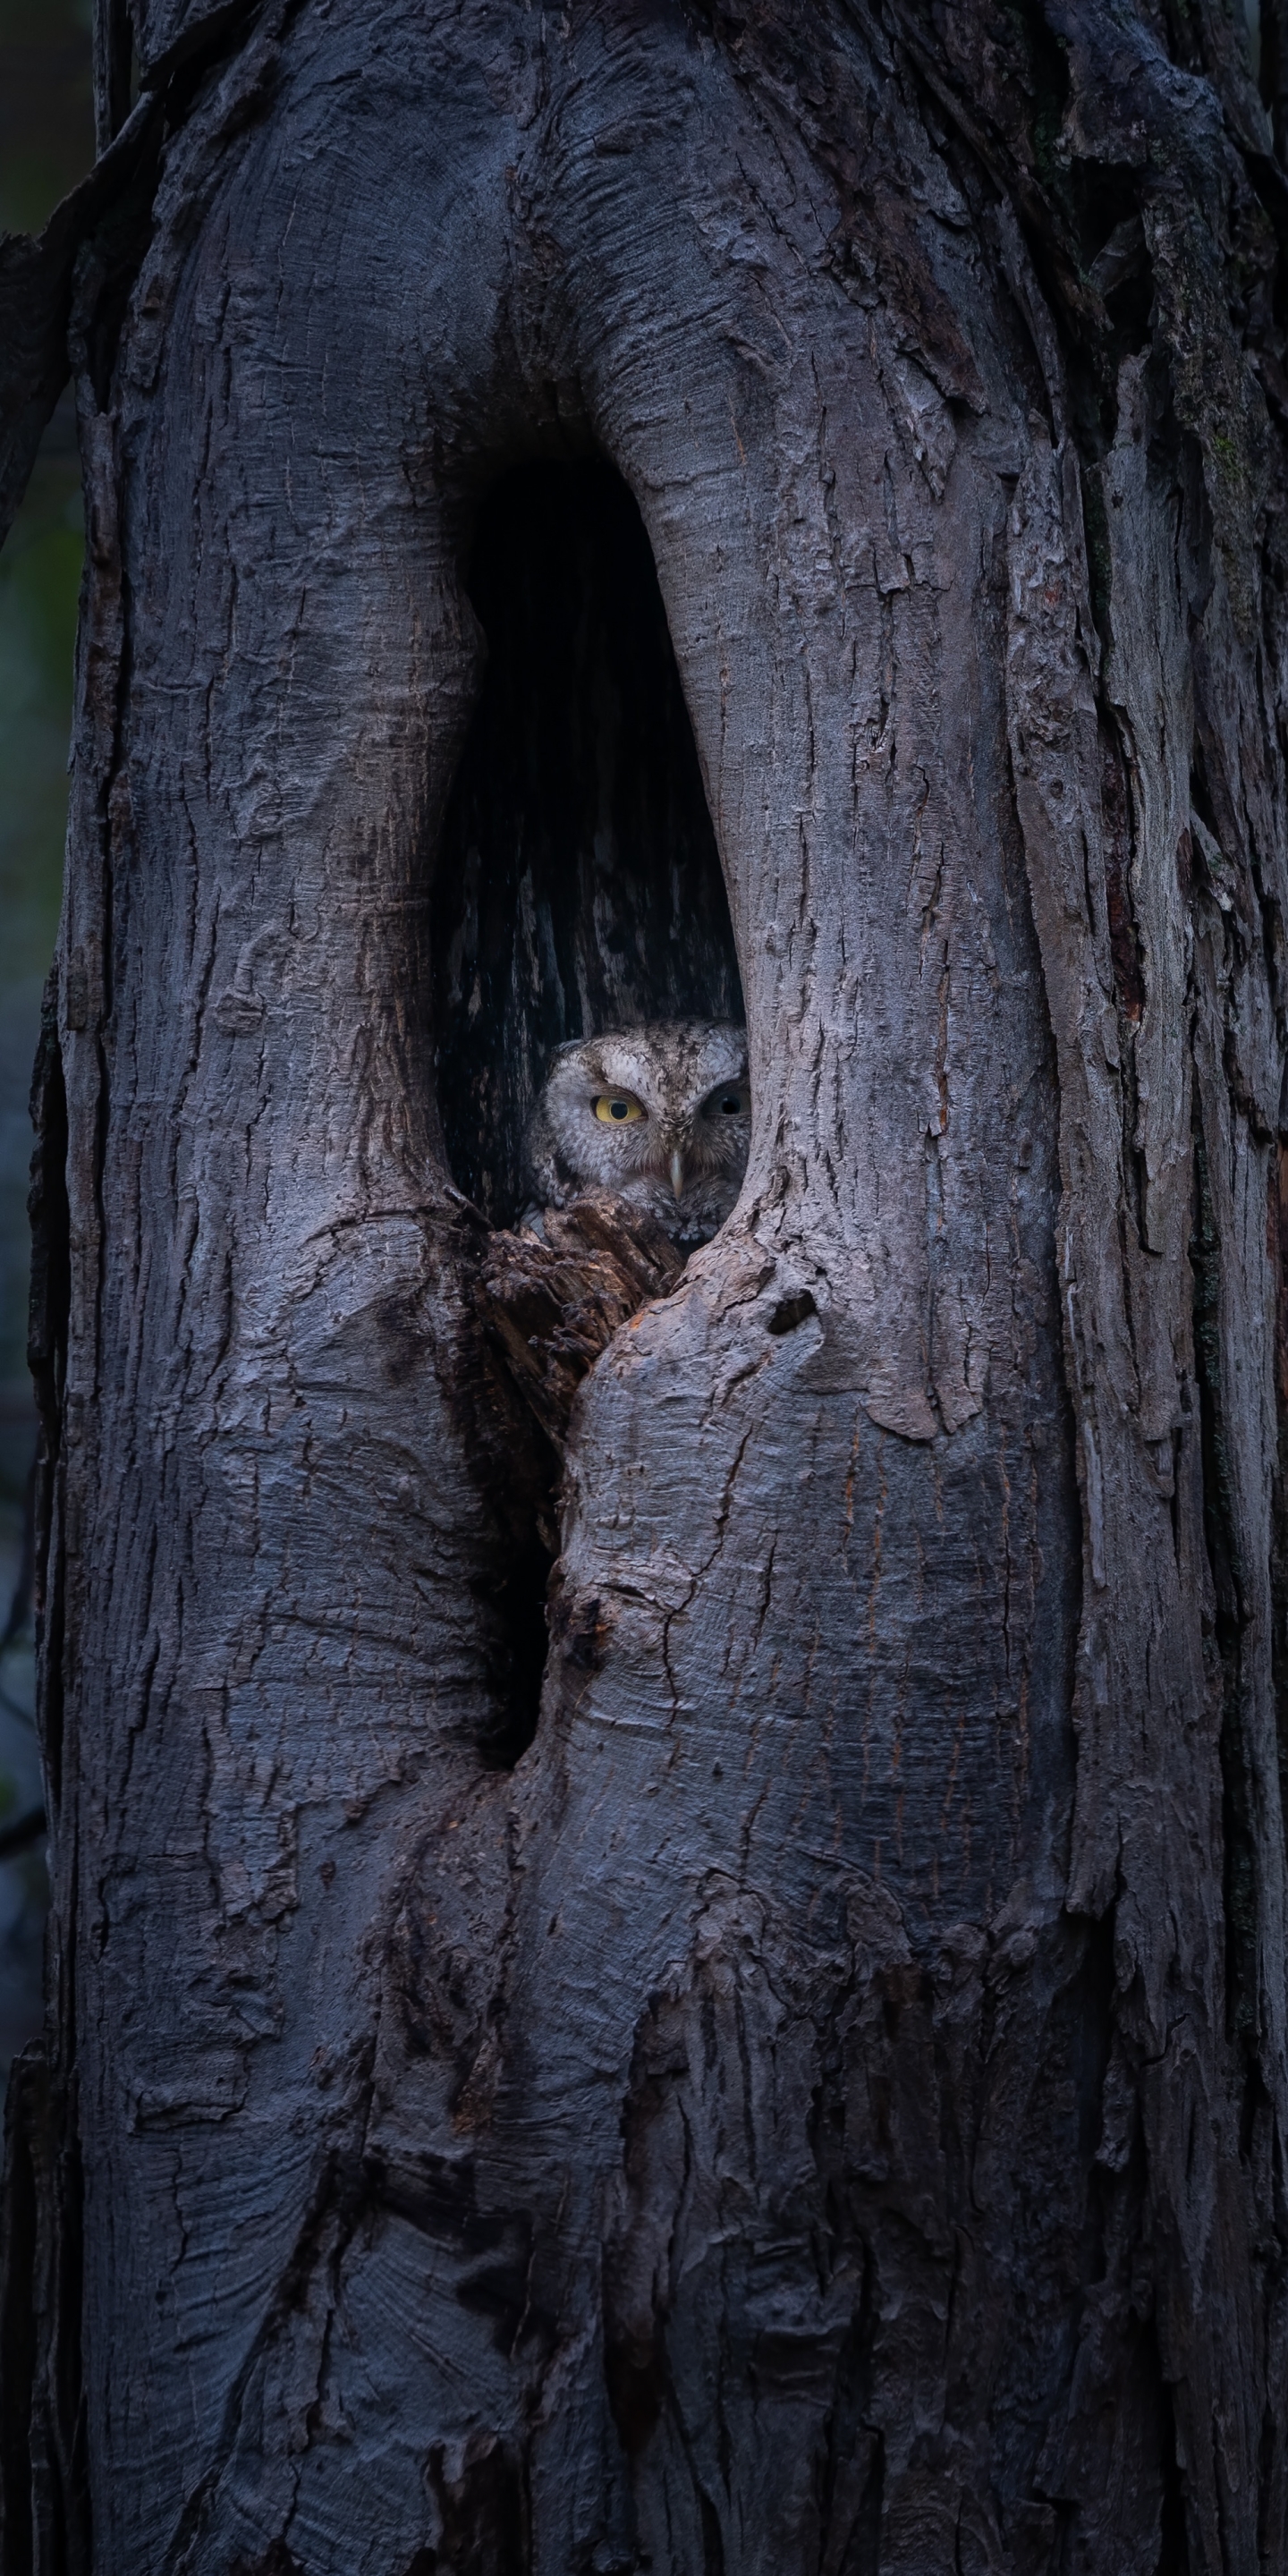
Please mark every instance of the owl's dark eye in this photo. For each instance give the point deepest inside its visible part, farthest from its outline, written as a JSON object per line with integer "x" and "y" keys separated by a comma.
{"x": 731, "y": 1103}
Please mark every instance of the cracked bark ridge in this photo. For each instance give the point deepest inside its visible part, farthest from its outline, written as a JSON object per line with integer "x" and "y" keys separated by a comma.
{"x": 783, "y": 2068}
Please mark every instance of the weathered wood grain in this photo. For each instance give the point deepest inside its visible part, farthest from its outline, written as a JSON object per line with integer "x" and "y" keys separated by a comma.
{"x": 817, "y": 2102}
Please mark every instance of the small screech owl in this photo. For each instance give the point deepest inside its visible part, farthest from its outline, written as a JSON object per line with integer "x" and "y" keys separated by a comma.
{"x": 659, "y": 1115}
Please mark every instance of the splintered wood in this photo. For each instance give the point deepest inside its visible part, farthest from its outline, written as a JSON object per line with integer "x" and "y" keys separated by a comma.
{"x": 552, "y": 1306}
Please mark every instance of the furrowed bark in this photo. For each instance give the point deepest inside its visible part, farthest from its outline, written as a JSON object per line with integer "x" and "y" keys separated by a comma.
{"x": 817, "y": 2102}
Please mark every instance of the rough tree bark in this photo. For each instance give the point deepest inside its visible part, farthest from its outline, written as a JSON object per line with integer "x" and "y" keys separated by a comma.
{"x": 813, "y": 2097}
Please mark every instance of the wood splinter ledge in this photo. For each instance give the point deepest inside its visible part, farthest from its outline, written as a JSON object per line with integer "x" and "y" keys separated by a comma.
{"x": 550, "y": 1307}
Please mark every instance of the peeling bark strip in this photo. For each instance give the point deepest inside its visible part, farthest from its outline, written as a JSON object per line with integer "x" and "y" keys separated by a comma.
{"x": 809, "y": 2096}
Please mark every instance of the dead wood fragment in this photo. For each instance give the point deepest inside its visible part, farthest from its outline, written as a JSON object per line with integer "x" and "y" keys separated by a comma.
{"x": 550, "y": 1307}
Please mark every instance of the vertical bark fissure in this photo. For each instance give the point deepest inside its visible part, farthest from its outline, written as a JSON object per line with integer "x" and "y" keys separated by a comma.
{"x": 1239, "y": 1840}
{"x": 47, "y": 1352}
{"x": 1277, "y": 1226}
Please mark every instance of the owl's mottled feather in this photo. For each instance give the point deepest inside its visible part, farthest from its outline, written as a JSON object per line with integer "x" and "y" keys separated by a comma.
{"x": 677, "y": 1152}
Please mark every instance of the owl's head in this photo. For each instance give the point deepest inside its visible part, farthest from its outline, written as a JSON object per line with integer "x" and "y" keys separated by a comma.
{"x": 660, "y": 1115}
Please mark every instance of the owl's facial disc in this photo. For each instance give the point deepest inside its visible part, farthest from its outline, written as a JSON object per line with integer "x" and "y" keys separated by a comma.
{"x": 659, "y": 1114}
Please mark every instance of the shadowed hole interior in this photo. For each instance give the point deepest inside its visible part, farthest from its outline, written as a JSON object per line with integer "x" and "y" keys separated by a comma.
{"x": 577, "y": 885}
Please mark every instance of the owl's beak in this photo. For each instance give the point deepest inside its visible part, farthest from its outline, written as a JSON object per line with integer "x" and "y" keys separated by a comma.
{"x": 677, "y": 1173}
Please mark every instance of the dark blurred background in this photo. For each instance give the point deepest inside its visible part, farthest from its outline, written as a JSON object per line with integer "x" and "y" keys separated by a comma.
{"x": 46, "y": 144}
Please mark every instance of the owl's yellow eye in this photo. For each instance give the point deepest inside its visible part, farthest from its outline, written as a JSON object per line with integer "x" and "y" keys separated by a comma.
{"x": 617, "y": 1107}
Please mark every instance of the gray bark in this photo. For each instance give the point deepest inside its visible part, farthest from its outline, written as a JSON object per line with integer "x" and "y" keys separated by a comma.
{"x": 821, "y": 2105}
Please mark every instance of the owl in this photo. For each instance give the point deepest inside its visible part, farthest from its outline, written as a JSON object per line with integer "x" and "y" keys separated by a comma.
{"x": 659, "y": 1115}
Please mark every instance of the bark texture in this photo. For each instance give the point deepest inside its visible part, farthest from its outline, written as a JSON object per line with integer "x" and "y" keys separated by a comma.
{"x": 820, "y": 2106}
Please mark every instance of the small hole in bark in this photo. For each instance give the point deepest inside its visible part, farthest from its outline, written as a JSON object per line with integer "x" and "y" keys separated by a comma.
{"x": 791, "y": 1311}
{"x": 577, "y": 884}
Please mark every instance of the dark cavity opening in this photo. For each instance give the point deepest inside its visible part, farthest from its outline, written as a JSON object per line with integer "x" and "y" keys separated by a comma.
{"x": 578, "y": 887}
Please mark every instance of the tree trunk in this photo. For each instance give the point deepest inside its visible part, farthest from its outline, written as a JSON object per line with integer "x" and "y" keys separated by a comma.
{"x": 810, "y": 2094}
